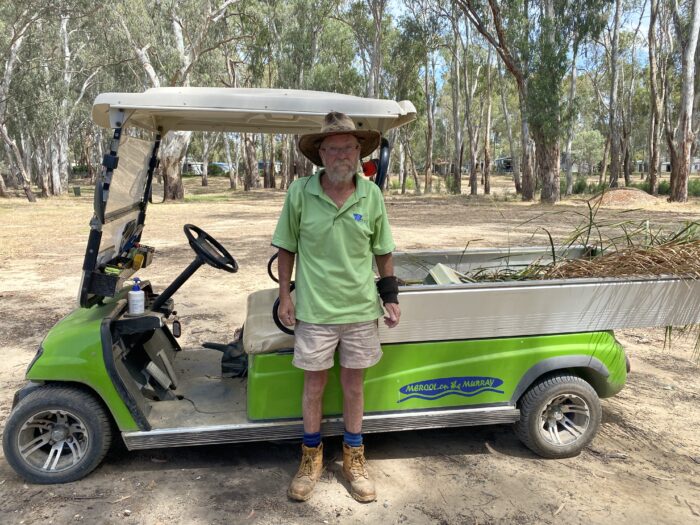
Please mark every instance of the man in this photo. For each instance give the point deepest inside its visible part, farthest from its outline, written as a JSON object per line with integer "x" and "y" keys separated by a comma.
{"x": 332, "y": 223}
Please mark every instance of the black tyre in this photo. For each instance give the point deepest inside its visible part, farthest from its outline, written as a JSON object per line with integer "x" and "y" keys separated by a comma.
{"x": 559, "y": 415}
{"x": 56, "y": 434}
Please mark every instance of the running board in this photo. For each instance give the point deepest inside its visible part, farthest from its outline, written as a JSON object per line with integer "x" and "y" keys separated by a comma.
{"x": 292, "y": 429}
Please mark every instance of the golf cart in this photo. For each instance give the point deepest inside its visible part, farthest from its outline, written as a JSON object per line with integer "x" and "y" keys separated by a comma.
{"x": 539, "y": 354}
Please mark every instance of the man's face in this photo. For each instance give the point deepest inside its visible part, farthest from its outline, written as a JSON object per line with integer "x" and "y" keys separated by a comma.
{"x": 340, "y": 155}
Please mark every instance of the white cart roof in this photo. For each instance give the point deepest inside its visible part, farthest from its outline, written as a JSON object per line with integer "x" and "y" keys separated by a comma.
{"x": 246, "y": 110}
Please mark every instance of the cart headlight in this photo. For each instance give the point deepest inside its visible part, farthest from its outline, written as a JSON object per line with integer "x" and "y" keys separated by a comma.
{"x": 39, "y": 352}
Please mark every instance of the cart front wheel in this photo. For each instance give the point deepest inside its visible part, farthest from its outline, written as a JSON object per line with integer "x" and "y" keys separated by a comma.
{"x": 56, "y": 434}
{"x": 559, "y": 416}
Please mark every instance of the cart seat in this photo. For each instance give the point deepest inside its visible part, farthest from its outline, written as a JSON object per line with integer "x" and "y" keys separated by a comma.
{"x": 260, "y": 334}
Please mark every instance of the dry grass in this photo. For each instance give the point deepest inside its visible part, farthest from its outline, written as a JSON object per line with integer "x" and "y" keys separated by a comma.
{"x": 680, "y": 258}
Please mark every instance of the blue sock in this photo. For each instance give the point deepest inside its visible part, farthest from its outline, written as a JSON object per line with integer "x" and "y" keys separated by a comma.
{"x": 312, "y": 440}
{"x": 352, "y": 440}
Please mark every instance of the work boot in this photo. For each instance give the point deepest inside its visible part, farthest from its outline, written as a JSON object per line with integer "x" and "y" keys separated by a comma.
{"x": 309, "y": 472}
{"x": 355, "y": 471}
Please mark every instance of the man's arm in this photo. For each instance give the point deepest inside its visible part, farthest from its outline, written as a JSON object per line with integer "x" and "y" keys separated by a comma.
{"x": 285, "y": 266}
{"x": 385, "y": 265}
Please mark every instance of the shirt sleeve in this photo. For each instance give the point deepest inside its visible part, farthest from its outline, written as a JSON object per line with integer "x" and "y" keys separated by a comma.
{"x": 382, "y": 241}
{"x": 286, "y": 234}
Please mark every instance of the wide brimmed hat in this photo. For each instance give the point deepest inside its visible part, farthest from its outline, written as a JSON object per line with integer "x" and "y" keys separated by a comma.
{"x": 336, "y": 123}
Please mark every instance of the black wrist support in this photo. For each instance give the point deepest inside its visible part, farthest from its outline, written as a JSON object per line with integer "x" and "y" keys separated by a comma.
{"x": 388, "y": 288}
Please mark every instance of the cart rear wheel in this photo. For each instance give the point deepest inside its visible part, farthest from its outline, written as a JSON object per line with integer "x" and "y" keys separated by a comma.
{"x": 559, "y": 416}
{"x": 56, "y": 434}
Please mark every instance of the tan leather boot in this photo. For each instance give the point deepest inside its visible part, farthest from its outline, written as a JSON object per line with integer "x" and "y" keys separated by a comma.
{"x": 355, "y": 471}
{"x": 309, "y": 473}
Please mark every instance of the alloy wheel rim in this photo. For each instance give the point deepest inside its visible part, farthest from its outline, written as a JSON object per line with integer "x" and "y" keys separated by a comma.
{"x": 564, "y": 420}
{"x": 53, "y": 440}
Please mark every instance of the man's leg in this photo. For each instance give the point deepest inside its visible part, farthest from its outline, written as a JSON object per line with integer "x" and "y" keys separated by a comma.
{"x": 312, "y": 449}
{"x": 354, "y": 469}
{"x": 352, "y": 381}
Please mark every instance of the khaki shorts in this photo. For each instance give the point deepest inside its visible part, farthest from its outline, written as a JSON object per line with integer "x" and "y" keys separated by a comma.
{"x": 315, "y": 344}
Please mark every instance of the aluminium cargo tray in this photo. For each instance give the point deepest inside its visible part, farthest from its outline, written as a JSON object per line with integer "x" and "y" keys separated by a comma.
{"x": 436, "y": 312}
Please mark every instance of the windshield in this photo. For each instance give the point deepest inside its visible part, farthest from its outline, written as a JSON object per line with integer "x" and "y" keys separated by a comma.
{"x": 129, "y": 179}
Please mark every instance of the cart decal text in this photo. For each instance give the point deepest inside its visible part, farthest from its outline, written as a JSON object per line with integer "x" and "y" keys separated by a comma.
{"x": 468, "y": 386}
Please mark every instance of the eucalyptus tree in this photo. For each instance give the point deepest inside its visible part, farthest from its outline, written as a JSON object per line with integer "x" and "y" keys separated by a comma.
{"x": 515, "y": 161}
{"x": 402, "y": 73}
{"x": 169, "y": 38}
{"x": 369, "y": 22}
{"x": 657, "y": 70}
{"x": 533, "y": 38}
{"x": 427, "y": 28}
{"x": 680, "y": 139}
{"x": 18, "y": 20}
{"x": 613, "y": 120}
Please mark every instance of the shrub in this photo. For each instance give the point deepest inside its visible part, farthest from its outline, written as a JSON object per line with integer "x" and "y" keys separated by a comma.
{"x": 396, "y": 185}
{"x": 215, "y": 170}
{"x": 664, "y": 187}
{"x": 694, "y": 188}
{"x": 580, "y": 186}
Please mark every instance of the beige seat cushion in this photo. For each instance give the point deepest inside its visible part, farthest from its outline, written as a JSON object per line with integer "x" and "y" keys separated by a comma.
{"x": 260, "y": 333}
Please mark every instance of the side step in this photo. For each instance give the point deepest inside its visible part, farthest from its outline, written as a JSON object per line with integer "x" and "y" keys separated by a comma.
{"x": 292, "y": 429}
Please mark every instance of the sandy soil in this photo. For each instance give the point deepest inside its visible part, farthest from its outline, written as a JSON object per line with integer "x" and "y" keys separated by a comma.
{"x": 643, "y": 466}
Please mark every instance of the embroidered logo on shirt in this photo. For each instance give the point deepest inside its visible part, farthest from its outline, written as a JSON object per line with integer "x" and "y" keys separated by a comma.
{"x": 357, "y": 216}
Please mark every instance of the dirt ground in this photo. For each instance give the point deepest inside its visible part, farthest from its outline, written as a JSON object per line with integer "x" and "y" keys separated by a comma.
{"x": 643, "y": 466}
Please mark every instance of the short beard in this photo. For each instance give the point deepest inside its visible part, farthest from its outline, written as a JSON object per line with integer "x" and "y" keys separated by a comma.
{"x": 339, "y": 176}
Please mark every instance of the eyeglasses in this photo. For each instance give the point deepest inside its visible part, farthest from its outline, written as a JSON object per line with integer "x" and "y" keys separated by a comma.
{"x": 346, "y": 150}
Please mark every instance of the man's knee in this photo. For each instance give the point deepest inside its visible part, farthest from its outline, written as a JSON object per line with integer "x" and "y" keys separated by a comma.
{"x": 352, "y": 381}
{"x": 315, "y": 382}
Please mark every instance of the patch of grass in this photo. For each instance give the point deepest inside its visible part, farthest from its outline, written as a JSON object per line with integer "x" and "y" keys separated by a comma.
{"x": 209, "y": 197}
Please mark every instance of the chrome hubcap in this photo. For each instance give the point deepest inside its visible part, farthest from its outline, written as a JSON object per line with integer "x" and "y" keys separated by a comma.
{"x": 564, "y": 419}
{"x": 53, "y": 440}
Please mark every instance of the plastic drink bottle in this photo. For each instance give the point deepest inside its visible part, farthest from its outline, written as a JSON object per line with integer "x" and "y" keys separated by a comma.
{"x": 136, "y": 299}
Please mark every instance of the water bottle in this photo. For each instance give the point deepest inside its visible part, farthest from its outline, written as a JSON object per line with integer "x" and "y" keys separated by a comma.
{"x": 137, "y": 299}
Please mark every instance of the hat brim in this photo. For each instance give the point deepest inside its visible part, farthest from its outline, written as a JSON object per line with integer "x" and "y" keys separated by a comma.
{"x": 309, "y": 144}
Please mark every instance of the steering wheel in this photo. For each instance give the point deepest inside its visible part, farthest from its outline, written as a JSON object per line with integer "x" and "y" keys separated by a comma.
{"x": 276, "y": 314}
{"x": 209, "y": 250}
{"x": 269, "y": 267}
{"x": 275, "y": 307}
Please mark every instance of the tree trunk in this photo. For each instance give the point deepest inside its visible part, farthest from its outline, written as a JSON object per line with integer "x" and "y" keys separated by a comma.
{"x": 414, "y": 172}
{"x": 284, "y": 171}
{"x": 548, "y": 165}
{"x": 231, "y": 168}
{"x": 456, "y": 184}
{"x": 273, "y": 178}
{"x": 604, "y": 166}
{"x": 43, "y": 170}
{"x": 3, "y": 187}
{"x": 429, "y": 131}
{"x": 656, "y": 103}
{"x": 526, "y": 146}
{"x": 613, "y": 109}
{"x": 251, "y": 180}
{"x": 173, "y": 149}
{"x": 684, "y": 135}
{"x": 206, "y": 142}
{"x": 16, "y": 158}
{"x": 515, "y": 162}
{"x": 570, "y": 131}
{"x": 487, "y": 129}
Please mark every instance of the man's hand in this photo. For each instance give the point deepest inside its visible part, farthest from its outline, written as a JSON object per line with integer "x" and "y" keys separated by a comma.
{"x": 393, "y": 314}
{"x": 286, "y": 311}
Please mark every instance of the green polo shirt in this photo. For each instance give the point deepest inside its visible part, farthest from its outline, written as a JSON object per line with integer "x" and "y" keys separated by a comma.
{"x": 334, "y": 249}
